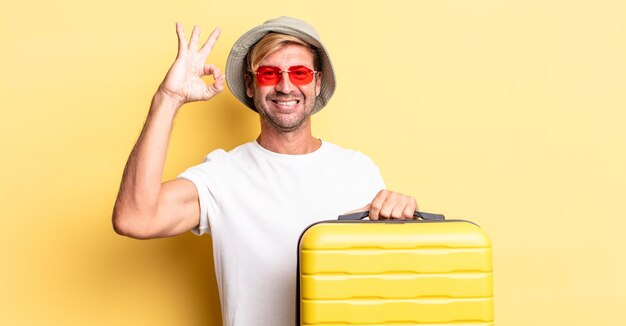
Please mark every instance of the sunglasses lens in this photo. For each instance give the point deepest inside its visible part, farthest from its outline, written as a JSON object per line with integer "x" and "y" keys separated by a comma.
{"x": 270, "y": 76}
{"x": 267, "y": 76}
{"x": 300, "y": 75}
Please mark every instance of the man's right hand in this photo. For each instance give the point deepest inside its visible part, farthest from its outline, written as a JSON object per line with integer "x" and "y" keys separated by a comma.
{"x": 146, "y": 208}
{"x": 183, "y": 82}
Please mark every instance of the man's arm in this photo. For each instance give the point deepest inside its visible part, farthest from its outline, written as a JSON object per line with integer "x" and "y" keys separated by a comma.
{"x": 146, "y": 208}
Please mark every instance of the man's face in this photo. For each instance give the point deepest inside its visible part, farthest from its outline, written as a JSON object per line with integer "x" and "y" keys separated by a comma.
{"x": 285, "y": 106}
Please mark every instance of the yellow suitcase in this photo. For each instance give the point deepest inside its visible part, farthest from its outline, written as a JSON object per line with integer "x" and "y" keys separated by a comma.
{"x": 420, "y": 272}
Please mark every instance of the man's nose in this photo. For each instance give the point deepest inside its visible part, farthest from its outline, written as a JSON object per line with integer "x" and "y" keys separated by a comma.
{"x": 284, "y": 85}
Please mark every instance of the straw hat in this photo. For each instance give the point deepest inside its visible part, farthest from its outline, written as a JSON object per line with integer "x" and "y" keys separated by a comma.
{"x": 283, "y": 25}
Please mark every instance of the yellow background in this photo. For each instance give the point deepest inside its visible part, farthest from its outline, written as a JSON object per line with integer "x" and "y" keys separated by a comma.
{"x": 508, "y": 113}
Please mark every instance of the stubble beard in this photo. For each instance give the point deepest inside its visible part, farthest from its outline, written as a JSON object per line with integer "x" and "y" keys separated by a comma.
{"x": 283, "y": 122}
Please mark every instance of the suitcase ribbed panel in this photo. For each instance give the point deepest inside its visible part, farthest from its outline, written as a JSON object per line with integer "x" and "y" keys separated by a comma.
{"x": 436, "y": 273}
{"x": 321, "y": 312}
{"x": 405, "y": 324}
{"x": 351, "y": 261}
{"x": 459, "y": 285}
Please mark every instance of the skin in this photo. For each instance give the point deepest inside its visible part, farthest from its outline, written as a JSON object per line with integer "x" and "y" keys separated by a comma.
{"x": 147, "y": 208}
{"x": 286, "y": 128}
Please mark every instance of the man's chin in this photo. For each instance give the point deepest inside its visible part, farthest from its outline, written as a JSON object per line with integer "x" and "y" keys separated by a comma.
{"x": 284, "y": 119}
{"x": 285, "y": 125}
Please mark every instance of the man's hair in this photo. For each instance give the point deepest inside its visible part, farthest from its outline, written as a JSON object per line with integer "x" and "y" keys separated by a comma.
{"x": 271, "y": 43}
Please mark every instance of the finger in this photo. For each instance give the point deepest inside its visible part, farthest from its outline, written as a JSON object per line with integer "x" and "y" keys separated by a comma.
{"x": 397, "y": 211}
{"x": 410, "y": 208}
{"x": 195, "y": 35}
{"x": 182, "y": 42}
{"x": 377, "y": 204}
{"x": 390, "y": 202}
{"x": 207, "y": 48}
{"x": 211, "y": 69}
{"x": 416, "y": 207}
{"x": 218, "y": 84}
{"x": 215, "y": 88}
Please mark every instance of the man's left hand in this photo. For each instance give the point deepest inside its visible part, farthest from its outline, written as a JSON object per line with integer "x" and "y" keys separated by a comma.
{"x": 391, "y": 205}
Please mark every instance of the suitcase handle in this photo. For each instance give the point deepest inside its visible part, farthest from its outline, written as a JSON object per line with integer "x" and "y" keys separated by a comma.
{"x": 417, "y": 215}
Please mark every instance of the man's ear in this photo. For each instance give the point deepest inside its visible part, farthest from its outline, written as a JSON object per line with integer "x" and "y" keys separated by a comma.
{"x": 318, "y": 83}
{"x": 249, "y": 87}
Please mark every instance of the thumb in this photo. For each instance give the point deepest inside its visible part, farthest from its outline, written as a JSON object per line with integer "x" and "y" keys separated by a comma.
{"x": 215, "y": 88}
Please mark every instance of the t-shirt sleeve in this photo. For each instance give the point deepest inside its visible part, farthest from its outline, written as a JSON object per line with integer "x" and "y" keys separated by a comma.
{"x": 362, "y": 176}
{"x": 205, "y": 177}
{"x": 378, "y": 183}
{"x": 374, "y": 176}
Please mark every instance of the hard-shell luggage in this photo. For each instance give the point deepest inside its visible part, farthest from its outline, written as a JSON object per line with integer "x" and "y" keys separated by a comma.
{"x": 395, "y": 272}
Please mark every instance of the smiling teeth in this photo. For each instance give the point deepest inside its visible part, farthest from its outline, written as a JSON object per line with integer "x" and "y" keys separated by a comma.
{"x": 290, "y": 103}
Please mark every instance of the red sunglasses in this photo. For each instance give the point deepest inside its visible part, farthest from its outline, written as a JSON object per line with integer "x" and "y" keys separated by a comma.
{"x": 271, "y": 76}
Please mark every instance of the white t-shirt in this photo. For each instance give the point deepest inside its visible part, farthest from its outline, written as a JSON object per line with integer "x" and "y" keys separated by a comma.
{"x": 255, "y": 204}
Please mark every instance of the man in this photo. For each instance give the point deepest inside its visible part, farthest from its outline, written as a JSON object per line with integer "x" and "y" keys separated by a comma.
{"x": 256, "y": 199}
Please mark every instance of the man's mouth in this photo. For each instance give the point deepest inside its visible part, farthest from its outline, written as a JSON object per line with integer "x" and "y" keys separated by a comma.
{"x": 286, "y": 104}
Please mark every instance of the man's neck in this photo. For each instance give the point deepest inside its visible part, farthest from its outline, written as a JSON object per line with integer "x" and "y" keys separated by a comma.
{"x": 297, "y": 142}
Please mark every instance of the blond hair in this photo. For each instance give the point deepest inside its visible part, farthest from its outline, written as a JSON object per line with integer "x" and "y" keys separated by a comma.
{"x": 271, "y": 43}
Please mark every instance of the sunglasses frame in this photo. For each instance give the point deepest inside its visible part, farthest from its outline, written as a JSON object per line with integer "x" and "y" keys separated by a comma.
{"x": 280, "y": 72}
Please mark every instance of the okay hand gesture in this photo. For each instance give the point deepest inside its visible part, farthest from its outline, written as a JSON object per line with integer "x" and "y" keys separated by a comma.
{"x": 183, "y": 81}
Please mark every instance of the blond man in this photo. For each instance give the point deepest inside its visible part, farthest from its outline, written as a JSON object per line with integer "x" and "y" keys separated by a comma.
{"x": 257, "y": 198}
